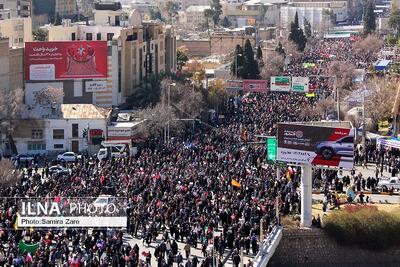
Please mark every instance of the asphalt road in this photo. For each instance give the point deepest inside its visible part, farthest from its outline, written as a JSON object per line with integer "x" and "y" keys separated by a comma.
{"x": 374, "y": 198}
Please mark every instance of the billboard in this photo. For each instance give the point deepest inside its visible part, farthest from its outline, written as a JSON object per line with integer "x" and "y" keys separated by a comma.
{"x": 300, "y": 84}
{"x": 255, "y": 86}
{"x": 280, "y": 83}
{"x": 234, "y": 85}
{"x": 47, "y": 61}
{"x": 315, "y": 145}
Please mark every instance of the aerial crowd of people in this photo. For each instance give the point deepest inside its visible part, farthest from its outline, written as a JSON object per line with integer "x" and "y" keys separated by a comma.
{"x": 211, "y": 191}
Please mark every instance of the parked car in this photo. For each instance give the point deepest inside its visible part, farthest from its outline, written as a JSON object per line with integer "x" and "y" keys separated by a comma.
{"x": 68, "y": 157}
{"x": 386, "y": 184}
{"x": 59, "y": 169}
{"x": 341, "y": 147}
{"x": 23, "y": 157}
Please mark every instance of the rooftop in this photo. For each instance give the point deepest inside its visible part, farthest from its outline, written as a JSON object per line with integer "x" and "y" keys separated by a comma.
{"x": 83, "y": 111}
{"x": 197, "y": 8}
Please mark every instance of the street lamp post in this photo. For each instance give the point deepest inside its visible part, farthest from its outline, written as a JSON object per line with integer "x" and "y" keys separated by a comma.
{"x": 236, "y": 64}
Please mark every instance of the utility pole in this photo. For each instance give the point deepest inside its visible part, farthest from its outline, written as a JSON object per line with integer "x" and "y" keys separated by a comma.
{"x": 363, "y": 129}
{"x": 336, "y": 90}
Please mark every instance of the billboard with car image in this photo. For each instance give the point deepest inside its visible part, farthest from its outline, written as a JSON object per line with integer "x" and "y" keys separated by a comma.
{"x": 315, "y": 145}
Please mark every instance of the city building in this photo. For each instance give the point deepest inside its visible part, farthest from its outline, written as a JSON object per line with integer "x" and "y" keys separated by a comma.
{"x": 16, "y": 8}
{"x": 194, "y": 16}
{"x": 321, "y": 15}
{"x": 66, "y": 8}
{"x": 11, "y": 66}
{"x": 18, "y": 30}
{"x": 69, "y": 127}
{"x": 136, "y": 50}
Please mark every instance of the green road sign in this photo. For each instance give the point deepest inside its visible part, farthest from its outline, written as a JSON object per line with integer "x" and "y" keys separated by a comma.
{"x": 271, "y": 148}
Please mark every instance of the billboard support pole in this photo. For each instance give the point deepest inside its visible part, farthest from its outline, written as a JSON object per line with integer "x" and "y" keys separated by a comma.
{"x": 306, "y": 196}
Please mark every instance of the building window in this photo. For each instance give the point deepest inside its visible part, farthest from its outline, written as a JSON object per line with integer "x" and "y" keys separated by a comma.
{"x": 58, "y": 146}
{"x": 98, "y": 36}
{"x": 1, "y": 6}
{"x": 21, "y": 27}
{"x": 37, "y": 134}
{"x": 89, "y": 36}
{"x": 32, "y": 146}
{"x": 110, "y": 36}
{"x": 73, "y": 36}
{"x": 21, "y": 40}
{"x": 75, "y": 132}
{"x": 58, "y": 133}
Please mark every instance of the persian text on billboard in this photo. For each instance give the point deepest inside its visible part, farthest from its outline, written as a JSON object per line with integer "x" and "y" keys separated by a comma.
{"x": 312, "y": 145}
{"x": 65, "y": 60}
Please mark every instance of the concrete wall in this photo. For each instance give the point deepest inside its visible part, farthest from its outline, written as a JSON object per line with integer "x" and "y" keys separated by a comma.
{"x": 312, "y": 247}
{"x": 222, "y": 44}
{"x": 196, "y": 48}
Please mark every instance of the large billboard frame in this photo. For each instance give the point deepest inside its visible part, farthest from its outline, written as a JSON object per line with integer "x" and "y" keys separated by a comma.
{"x": 66, "y": 60}
{"x": 315, "y": 145}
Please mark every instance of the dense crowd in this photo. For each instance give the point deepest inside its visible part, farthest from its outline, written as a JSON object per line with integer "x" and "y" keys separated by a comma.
{"x": 181, "y": 192}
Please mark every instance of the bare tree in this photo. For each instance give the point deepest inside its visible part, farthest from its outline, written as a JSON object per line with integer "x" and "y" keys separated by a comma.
{"x": 380, "y": 104}
{"x": 11, "y": 107}
{"x": 291, "y": 50}
{"x": 273, "y": 66}
{"x": 49, "y": 96}
{"x": 369, "y": 45}
{"x": 324, "y": 107}
{"x": 9, "y": 176}
{"x": 343, "y": 71}
{"x": 186, "y": 102}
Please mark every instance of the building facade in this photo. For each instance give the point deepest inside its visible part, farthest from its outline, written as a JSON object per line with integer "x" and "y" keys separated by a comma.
{"x": 137, "y": 49}
{"x": 69, "y": 128}
{"x": 11, "y": 66}
{"x": 17, "y": 30}
{"x": 17, "y": 8}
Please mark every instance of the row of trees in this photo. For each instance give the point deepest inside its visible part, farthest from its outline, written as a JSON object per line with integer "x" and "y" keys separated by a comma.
{"x": 244, "y": 64}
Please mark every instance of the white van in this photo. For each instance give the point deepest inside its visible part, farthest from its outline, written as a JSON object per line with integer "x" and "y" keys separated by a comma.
{"x": 113, "y": 151}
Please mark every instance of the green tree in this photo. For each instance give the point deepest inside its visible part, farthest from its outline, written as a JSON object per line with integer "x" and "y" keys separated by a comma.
{"x": 296, "y": 34}
{"x": 238, "y": 62}
{"x": 259, "y": 54}
{"x": 250, "y": 68}
{"x": 172, "y": 9}
{"x": 155, "y": 14}
{"x": 279, "y": 49}
{"x": 208, "y": 14}
{"x": 369, "y": 18}
{"x": 181, "y": 59}
{"x": 394, "y": 19}
{"x": 39, "y": 35}
{"x": 226, "y": 23}
{"x": 216, "y": 7}
{"x": 307, "y": 28}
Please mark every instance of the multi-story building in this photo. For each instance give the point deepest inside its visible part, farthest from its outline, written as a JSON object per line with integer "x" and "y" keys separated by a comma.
{"x": 136, "y": 50}
{"x": 18, "y": 30}
{"x": 320, "y": 14}
{"x": 194, "y": 16}
{"x": 70, "y": 127}
{"x": 66, "y": 8}
{"x": 11, "y": 66}
{"x": 17, "y": 8}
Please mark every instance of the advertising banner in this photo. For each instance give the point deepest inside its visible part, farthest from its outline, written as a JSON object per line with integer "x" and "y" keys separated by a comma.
{"x": 315, "y": 145}
{"x": 280, "y": 83}
{"x": 255, "y": 86}
{"x": 47, "y": 61}
{"x": 96, "y": 86}
{"x": 234, "y": 85}
{"x": 300, "y": 84}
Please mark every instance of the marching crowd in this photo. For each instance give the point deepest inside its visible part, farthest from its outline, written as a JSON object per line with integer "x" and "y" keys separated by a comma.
{"x": 218, "y": 181}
